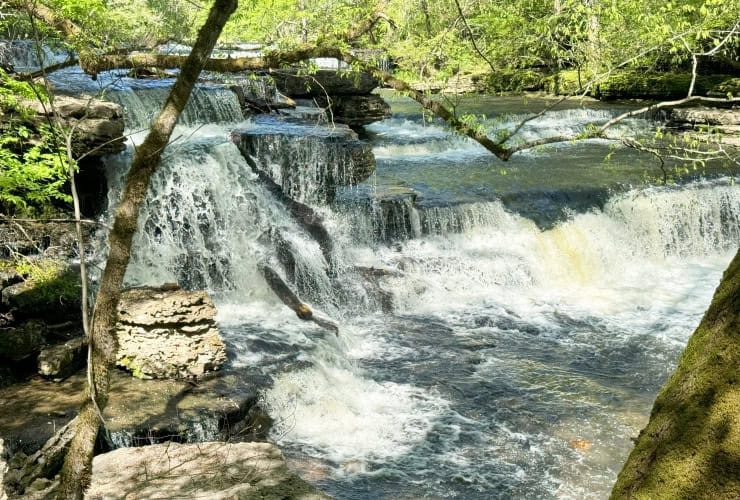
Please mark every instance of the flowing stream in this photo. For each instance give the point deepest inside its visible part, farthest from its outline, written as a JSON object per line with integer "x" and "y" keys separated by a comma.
{"x": 537, "y": 305}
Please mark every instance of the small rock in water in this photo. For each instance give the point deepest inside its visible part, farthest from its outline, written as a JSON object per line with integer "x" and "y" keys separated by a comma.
{"x": 580, "y": 444}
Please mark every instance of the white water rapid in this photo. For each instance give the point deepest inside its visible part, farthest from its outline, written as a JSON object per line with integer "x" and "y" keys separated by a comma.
{"x": 506, "y": 340}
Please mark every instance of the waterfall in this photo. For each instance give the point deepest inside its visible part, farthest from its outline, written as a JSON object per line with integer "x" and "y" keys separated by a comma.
{"x": 207, "y": 223}
{"x": 207, "y": 104}
{"x": 476, "y": 246}
{"x": 414, "y": 140}
{"x": 307, "y": 161}
{"x": 23, "y": 55}
{"x": 500, "y": 340}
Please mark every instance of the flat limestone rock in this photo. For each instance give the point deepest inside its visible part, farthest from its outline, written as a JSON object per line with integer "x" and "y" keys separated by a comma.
{"x": 213, "y": 470}
{"x": 223, "y": 406}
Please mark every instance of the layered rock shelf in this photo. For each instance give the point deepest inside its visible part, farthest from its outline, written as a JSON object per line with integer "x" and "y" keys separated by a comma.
{"x": 346, "y": 94}
{"x": 168, "y": 333}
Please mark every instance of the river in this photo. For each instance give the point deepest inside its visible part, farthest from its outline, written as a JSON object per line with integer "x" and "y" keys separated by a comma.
{"x": 537, "y": 305}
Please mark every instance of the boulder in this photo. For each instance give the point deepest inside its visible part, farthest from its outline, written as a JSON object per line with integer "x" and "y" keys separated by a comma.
{"x": 308, "y": 162}
{"x": 98, "y": 124}
{"x": 213, "y": 470}
{"x": 357, "y": 110}
{"x": 57, "y": 295}
{"x": 260, "y": 96}
{"x": 324, "y": 82}
{"x": 168, "y": 333}
{"x": 19, "y": 342}
{"x": 62, "y": 360}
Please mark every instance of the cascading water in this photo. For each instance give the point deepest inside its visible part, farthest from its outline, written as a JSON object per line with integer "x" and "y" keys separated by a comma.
{"x": 510, "y": 340}
{"x": 27, "y": 56}
{"x": 206, "y": 105}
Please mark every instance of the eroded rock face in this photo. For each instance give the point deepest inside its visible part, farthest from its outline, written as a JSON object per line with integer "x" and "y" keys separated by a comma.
{"x": 214, "y": 470}
{"x": 726, "y": 121}
{"x": 166, "y": 333}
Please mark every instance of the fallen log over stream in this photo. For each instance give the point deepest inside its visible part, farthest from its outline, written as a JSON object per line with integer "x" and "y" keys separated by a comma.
{"x": 304, "y": 215}
{"x": 290, "y": 299}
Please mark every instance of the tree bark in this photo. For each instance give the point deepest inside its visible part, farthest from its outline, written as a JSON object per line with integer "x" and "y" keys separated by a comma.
{"x": 691, "y": 445}
{"x": 274, "y": 59}
{"x": 77, "y": 469}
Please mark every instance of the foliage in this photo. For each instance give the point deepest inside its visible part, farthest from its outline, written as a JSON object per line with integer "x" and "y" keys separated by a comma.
{"x": 34, "y": 169}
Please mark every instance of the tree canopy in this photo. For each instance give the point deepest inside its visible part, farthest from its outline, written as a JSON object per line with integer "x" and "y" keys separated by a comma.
{"x": 425, "y": 38}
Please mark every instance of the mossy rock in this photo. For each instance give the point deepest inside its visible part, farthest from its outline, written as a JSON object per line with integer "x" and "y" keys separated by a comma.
{"x": 19, "y": 342}
{"x": 691, "y": 446}
{"x": 564, "y": 82}
{"x": 632, "y": 84}
{"x": 515, "y": 80}
{"x": 729, "y": 87}
{"x": 53, "y": 293}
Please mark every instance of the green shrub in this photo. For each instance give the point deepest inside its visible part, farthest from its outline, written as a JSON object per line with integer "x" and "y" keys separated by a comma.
{"x": 34, "y": 168}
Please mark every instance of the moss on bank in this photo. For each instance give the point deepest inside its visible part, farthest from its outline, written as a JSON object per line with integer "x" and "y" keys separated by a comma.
{"x": 620, "y": 84}
{"x": 690, "y": 448}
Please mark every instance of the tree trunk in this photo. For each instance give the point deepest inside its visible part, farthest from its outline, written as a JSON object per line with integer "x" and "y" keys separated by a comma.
{"x": 76, "y": 473}
{"x": 691, "y": 445}
{"x": 275, "y": 59}
{"x": 593, "y": 43}
{"x": 304, "y": 20}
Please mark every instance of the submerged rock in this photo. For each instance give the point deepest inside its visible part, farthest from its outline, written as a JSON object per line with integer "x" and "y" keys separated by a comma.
{"x": 139, "y": 412}
{"x": 165, "y": 333}
{"x": 219, "y": 407}
{"x": 214, "y": 470}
